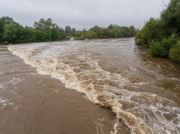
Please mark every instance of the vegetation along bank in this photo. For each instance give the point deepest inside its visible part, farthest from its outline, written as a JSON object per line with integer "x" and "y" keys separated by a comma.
{"x": 162, "y": 36}
{"x": 45, "y": 30}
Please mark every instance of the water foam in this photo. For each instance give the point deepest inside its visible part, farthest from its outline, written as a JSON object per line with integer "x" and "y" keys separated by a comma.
{"x": 1, "y": 86}
{"x": 142, "y": 112}
{"x": 3, "y": 103}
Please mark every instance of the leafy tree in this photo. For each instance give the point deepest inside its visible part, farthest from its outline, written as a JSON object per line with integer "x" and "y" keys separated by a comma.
{"x": 95, "y": 29}
{"x": 68, "y": 30}
{"x": 132, "y": 31}
{"x": 73, "y": 31}
{"x": 1, "y": 25}
{"x": 8, "y": 20}
{"x": 13, "y": 33}
{"x": 61, "y": 30}
{"x": 55, "y": 34}
{"x": 39, "y": 34}
{"x": 110, "y": 26}
{"x": 151, "y": 31}
{"x": 30, "y": 35}
{"x": 171, "y": 18}
{"x": 47, "y": 34}
{"x": 46, "y": 30}
{"x": 4, "y": 20}
{"x": 84, "y": 30}
{"x": 1, "y": 29}
{"x": 43, "y": 24}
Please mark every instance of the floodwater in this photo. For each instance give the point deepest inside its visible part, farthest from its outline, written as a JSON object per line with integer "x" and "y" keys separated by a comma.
{"x": 118, "y": 88}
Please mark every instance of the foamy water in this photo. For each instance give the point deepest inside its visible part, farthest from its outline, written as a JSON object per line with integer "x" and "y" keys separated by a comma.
{"x": 112, "y": 75}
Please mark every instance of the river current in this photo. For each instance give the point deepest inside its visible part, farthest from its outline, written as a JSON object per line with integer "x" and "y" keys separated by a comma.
{"x": 142, "y": 91}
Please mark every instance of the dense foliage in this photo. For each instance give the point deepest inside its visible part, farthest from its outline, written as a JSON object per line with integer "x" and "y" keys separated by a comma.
{"x": 43, "y": 30}
{"x": 175, "y": 53}
{"x": 162, "y": 35}
{"x": 112, "y": 31}
{"x": 46, "y": 30}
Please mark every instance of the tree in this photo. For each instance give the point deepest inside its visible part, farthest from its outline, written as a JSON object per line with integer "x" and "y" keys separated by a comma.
{"x": 95, "y": 28}
{"x": 171, "y": 18}
{"x": 3, "y": 21}
{"x": 132, "y": 31}
{"x": 43, "y": 24}
{"x": 14, "y": 33}
{"x": 39, "y": 34}
{"x": 47, "y": 34}
{"x": 68, "y": 30}
{"x": 30, "y": 35}
{"x": 151, "y": 31}
{"x": 73, "y": 30}
{"x": 1, "y": 29}
{"x": 57, "y": 34}
{"x": 111, "y": 26}
{"x": 61, "y": 30}
{"x": 46, "y": 30}
{"x": 8, "y": 19}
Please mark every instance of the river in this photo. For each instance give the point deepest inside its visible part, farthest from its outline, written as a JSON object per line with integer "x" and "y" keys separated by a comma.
{"x": 116, "y": 76}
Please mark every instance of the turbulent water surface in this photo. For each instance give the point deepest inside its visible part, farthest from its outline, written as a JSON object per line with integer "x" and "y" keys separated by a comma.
{"x": 143, "y": 92}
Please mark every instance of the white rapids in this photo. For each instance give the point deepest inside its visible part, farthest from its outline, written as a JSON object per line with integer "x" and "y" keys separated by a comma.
{"x": 78, "y": 66}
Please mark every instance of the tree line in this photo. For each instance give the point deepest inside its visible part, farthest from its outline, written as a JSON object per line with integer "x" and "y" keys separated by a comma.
{"x": 46, "y": 30}
{"x": 162, "y": 36}
{"x": 112, "y": 31}
{"x": 42, "y": 31}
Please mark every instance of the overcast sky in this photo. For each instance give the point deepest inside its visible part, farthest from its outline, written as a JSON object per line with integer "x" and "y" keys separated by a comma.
{"x": 83, "y": 13}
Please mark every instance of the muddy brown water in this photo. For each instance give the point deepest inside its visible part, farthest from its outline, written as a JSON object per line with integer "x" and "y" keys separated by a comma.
{"x": 37, "y": 104}
{"x": 87, "y": 87}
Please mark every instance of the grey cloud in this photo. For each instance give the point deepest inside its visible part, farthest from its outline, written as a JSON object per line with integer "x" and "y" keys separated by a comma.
{"x": 83, "y": 13}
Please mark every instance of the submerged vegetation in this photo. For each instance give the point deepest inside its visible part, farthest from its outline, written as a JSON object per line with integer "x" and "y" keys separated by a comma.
{"x": 162, "y": 36}
{"x": 46, "y": 30}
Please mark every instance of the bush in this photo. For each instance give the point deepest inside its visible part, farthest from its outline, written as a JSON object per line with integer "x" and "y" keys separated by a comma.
{"x": 174, "y": 54}
{"x": 156, "y": 49}
{"x": 67, "y": 37}
{"x": 162, "y": 48}
{"x": 151, "y": 31}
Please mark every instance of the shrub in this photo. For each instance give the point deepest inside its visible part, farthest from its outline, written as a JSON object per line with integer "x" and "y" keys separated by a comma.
{"x": 162, "y": 48}
{"x": 67, "y": 37}
{"x": 174, "y": 54}
{"x": 151, "y": 31}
